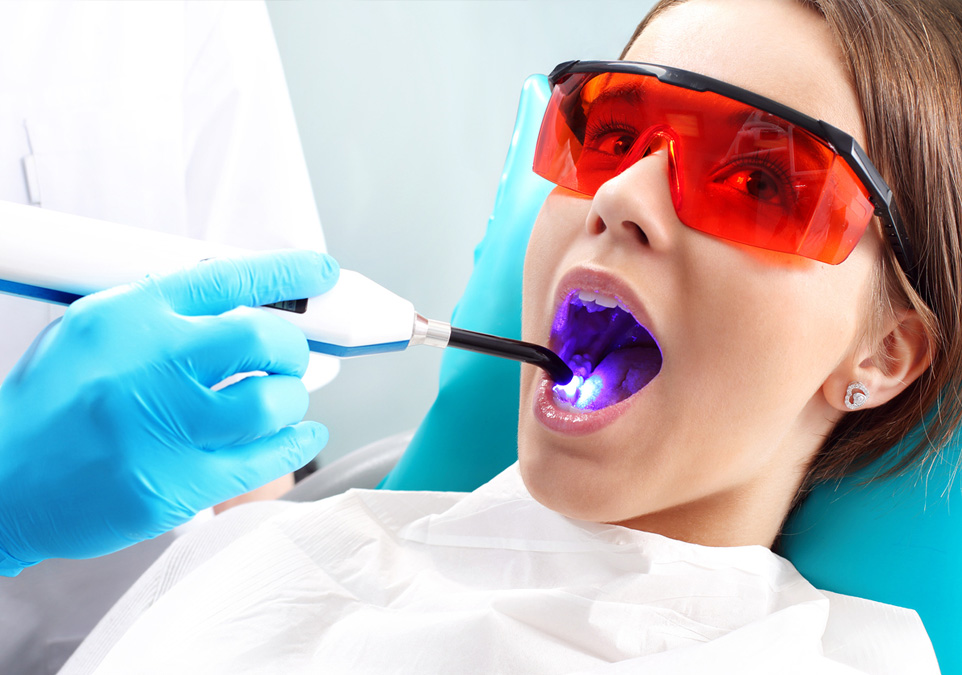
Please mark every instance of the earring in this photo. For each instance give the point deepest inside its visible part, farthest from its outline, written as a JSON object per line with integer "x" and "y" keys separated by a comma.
{"x": 856, "y": 395}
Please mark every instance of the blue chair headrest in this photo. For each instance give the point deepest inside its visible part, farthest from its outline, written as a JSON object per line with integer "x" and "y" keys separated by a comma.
{"x": 892, "y": 541}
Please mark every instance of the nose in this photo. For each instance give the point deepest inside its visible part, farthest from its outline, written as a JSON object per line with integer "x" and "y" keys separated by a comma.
{"x": 636, "y": 204}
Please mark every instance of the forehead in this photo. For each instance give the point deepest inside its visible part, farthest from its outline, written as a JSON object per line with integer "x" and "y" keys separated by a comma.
{"x": 776, "y": 48}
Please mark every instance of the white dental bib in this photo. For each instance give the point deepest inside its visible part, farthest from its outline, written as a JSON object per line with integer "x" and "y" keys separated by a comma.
{"x": 487, "y": 582}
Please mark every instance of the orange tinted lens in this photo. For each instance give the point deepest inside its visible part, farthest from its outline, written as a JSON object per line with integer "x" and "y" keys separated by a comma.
{"x": 738, "y": 172}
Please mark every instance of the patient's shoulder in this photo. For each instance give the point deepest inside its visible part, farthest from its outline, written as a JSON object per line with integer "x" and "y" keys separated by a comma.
{"x": 876, "y": 637}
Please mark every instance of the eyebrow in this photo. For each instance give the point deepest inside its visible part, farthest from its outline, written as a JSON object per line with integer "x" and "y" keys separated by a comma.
{"x": 628, "y": 91}
{"x": 633, "y": 93}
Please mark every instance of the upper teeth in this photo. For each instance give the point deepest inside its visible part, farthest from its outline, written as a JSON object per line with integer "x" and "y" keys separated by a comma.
{"x": 599, "y": 299}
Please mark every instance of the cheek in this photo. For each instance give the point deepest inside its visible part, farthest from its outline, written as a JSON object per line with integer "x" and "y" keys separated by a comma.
{"x": 551, "y": 238}
{"x": 774, "y": 334}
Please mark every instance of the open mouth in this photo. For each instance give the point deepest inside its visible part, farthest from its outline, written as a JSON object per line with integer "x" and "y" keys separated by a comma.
{"x": 611, "y": 354}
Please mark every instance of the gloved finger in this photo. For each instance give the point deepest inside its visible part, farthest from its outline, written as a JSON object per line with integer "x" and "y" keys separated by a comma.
{"x": 255, "y": 407}
{"x": 244, "y": 340}
{"x": 241, "y": 468}
{"x": 220, "y": 284}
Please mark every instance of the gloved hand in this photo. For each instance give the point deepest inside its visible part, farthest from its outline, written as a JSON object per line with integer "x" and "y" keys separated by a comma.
{"x": 109, "y": 431}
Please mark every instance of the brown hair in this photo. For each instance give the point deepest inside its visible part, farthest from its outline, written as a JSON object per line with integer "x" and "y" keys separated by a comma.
{"x": 905, "y": 62}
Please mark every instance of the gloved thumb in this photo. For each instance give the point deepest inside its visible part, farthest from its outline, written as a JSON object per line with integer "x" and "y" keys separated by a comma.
{"x": 221, "y": 284}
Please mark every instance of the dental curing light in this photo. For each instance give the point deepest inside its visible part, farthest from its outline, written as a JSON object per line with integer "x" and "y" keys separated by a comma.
{"x": 58, "y": 257}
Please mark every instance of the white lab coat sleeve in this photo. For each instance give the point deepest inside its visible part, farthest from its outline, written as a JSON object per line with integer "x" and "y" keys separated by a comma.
{"x": 247, "y": 182}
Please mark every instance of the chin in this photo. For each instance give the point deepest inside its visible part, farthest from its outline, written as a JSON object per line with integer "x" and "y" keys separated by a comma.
{"x": 575, "y": 485}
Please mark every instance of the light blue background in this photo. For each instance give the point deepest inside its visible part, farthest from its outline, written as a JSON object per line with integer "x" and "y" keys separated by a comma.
{"x": 405, "y": 111}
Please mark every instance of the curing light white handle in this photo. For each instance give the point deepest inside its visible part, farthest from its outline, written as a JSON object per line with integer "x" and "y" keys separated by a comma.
{"x": 354, "y": 318}
{"x": 57, "y": 257}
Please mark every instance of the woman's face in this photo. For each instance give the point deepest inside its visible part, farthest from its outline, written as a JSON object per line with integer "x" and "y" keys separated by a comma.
{"x": 713, "y": 448}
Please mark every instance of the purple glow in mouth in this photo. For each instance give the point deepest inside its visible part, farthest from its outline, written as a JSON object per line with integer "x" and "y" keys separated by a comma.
{"x": 611, "y": 354}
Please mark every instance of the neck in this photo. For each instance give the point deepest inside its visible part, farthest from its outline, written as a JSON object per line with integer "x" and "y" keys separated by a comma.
{"x": 750, "y": 512}
{"x": 739, "y": 517}
{"x": 753, "y": 510}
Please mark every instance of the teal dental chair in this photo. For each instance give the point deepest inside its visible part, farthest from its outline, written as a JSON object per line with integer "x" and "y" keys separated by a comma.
{"x": 893, "y": 541}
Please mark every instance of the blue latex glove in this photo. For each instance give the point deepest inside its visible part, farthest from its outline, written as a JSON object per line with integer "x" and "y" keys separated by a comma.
{"x": 109, "y": 431}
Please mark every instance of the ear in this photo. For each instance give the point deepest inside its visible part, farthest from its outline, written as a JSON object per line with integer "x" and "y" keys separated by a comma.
{"x": 885, "y": 367}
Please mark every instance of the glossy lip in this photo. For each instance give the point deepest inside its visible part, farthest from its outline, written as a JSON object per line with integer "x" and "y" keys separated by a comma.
{"x": 571, "y": 421}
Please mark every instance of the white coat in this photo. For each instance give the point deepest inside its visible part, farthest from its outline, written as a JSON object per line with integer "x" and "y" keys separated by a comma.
{"x": 172, "y": 116}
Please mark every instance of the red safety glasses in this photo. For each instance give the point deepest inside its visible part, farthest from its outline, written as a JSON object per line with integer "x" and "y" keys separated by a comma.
{"x": 741, "y": 167}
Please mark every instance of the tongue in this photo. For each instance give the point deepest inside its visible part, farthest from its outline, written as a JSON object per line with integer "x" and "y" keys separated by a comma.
{"x": 625, "y": 372}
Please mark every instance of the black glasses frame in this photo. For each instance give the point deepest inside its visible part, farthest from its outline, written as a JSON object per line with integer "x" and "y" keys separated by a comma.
{"x": 841, "y": 143}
